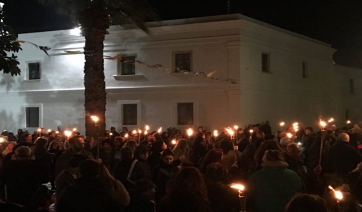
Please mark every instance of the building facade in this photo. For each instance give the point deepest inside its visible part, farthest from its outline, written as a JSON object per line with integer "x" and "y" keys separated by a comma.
{"x": 213, "y": 71}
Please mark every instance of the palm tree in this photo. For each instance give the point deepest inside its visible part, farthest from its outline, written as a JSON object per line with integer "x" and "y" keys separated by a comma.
{"x": 8, "y": 63}
{"x": 94, "y": 18}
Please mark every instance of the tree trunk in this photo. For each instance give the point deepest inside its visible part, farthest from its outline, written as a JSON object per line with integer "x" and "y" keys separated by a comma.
{"x": 94, "y": 23}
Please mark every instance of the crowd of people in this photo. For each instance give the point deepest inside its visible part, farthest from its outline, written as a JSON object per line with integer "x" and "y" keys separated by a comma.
{"x": 170, "y": 171}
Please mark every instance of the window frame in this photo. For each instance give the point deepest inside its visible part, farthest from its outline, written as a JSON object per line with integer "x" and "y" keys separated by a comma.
{"x": 182, "y": 52}
{"x": 27, "y": 70}
{"x": 40, "y": 106}
{"x": 268, "y": 62}
{"x": 120, "y": 67}
{"x": 120, "y": 108}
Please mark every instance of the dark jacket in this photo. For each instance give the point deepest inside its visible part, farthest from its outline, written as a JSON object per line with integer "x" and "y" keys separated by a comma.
{"x": 108, "y": 158}
{"x": 45, "y": 158}
{"x": 88, "y": 195}
{"x": 64, "y": 179}
{"x": 141, "y": 170}
{"x": 121, "y": 170}
{"x": 161, "y": 175}
{"x": 139, "y": 202}
{"x": 63, "y": 160}
{"x": 222, "y": 197}
{"x": 343, "y": 158}
{"x": 22, "y": 178}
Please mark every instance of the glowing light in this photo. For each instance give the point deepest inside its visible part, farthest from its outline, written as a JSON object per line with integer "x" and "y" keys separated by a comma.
{"x": 282, "y": 123}
{"x": 159, "y": 130}
{"x": 337, "y": 194}
{"x": 74, "y": 129}
{"x": 147, "y": 127}
{"x": 134, "y": 132}
{"x": 75, "y": 31}
{"x": 216, "y": 133}
{"x": 139, "y": 131}
{"x": 190, "y": 131}
{"x": 67, "y": 133}
{"x": 126, "y": 135}
{"x": 251, "y": 131}
{"x": 49, "y": 130}
{"x": 39, "y": 129}
{"x": 2, "y": 139}
{"x": 323, "y": 124}
{"x": 289, "y": 135}
{"x": 173, "y": 142}
{"x": 348, "y": 121}
{"x": 110, "y": 134}
{"x": 236, "y": 127}
{"x": 95, "y": 118}
{"x": 57, "y": 132}
{"x": 299, "y": 143}
{"x": 240, "y": 187}
{"x": 145, "y": 132}
{"x": 331, "y": 120}
{"x": 295, "y": 124}
{"x": 230, "y": 131}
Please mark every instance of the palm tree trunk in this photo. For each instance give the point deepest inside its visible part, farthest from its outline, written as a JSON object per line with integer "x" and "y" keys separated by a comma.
{"x": 94, "y": 23}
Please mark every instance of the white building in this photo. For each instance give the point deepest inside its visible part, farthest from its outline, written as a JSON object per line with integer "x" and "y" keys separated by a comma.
{"x": 263, "y": 73}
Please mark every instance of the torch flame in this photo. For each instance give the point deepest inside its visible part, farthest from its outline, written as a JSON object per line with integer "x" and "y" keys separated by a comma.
{"x": 289, "y": 135}
{"x": 216, "y": 133}
{"x": 251, "y": 131}
{"x": 282, "y": 123}
{"x": 159, "y": 130}
{"x": 49, "y": 130}
{"x": 74, "y": 129}
{"x": 240, "y": 187}
{"x": 2, "y": 139}
{"x": 126, "y": 135}
{"x": 236, "y": 127}
{"x": 323, "y": 124}
{"x": 337, "y": 194}
{"x": 331, "y": 120}
{"x": 190, "y": 131}
{"x": 348, "y": 121}
{"x": 67, "y": 133}
{"x": 173, "y": 142}
{"x": 230, "y": 131}
{"x": 147, "y": 127}
{"x": 95, "y": 118}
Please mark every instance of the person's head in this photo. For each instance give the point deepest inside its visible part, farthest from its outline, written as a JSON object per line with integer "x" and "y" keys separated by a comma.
{"x": 308, "y": 130}
{"x": 150, "y": 137}
{"x": 306, "y": 202}
{"x": 268, "y": 145}
{"x": 54, "y": 145}
{"x": 157, "y": 147}
{"x": 273, "y": 156}
{"x": 343, "y": 137}
{"x": 130, "y": 144}
{"x": 290, "y": 130}
{"x": 213, "y": 156}
{"x": 215, "y": 171}
{"x": 293, "y": 151}
{"x": 200, "y": 129}
{"x": 126, "y": 153}
{"x": 10, "y": 146}
{"x": 226, "y": 145}
{"x": 141, "y": 152}
{"x": 107, "y": 144}
{"x": 28, "y": 138}
{"x": 89, "y": 169}
{"x": 181, "y": 144}
{"x": 167, "y": 156}
{"x": 23, "y": 152}
{"x": 40, "y": 143}
{"x": 77, "y": 143}
{"x": 189, "y": 180}
{"x": 333, "y": 127}
{"x": 113, "y": 129}
{"x": 75, "y": 161}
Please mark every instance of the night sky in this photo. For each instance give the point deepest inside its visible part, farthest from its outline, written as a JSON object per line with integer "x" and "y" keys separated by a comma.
{"x": 337, "y": 22}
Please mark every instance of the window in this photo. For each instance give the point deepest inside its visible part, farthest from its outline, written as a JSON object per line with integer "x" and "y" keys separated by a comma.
{"x": 127, "y": 65}
{"x": 185, "y": 113}
{"x": 32, "y": 116}
{"x": 265, "y": 62}
{"x": 129, "y": 114}
{"x": 33, "y": 70}
{"x": 183, "y": 61}
{"x": 351, "y": 86}
{"x": 305, "y": 70}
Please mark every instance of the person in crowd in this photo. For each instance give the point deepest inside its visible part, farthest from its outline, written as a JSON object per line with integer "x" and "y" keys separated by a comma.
{"x": 222, "y": 197}
{"x": 77, "y": 147}
{"x": 271, "y": 188}
{"x": 307, "y": 141}
{"x": 114, "y": 133}
{"x": 266, "y": 145}
{"x": 107, "y": 154}
{"x": 54, "y": 148}
{"x": 181, "y": 149}
{"x": 88, "y": 193}
{"x": 199, "y": 149}
{"x": 247, "y": 163}
{"x": 355, "y": 136}
{"x": 28, "y": 142}
{"x": 149, "y": 140}
{"x": 306, "y": 202}
{"x": 156, "y": 151}
{"x": 9, "y": 148}
{"x": 230, "y": 157}
{"x": 293, "y": 159}
{"x": 213, "y": 156}
{"x": 22, "y": 177}
{"x": 240, "y": 135}
{"x": 42, "y": 200}
{"x": 342, "y": 157}
{"x": 242, "y": 144}
{"x": 130, "y": 144}
{"x": 69, "y": 175}
{"x": 266, "y": 128}
{"x": 187, "y": 192}
{"x": 163, "y": 172}
{"x": 108, "y": 180}
{"x": 122, "y": 167}
{"x": 42, "y": 155}
{"x": 139, "y": 168}
{"x": 141, "y": 197}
